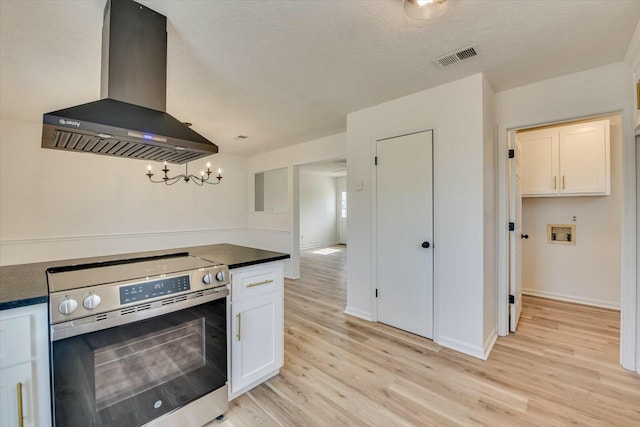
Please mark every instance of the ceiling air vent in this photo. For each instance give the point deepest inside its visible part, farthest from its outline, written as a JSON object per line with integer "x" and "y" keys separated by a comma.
{"x": 460, "y": 55}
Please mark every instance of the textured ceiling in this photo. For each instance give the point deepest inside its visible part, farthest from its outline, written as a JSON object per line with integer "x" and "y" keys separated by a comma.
{"x": 334, "y": 168}
{"x": 288, "y": 71}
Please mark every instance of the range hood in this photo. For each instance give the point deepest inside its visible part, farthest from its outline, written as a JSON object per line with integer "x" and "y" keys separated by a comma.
{"x": 130, "y": 119}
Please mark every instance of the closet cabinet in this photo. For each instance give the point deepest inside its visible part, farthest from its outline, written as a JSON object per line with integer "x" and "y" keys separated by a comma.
{"x": 572, "y": 160}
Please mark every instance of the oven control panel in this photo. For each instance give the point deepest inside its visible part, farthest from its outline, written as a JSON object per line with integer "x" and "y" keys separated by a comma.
{"x": 90, "y": 301}
{"x": 154, "y": 289}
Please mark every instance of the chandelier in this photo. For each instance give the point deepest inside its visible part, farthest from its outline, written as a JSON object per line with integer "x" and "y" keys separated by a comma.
{"x": 186, "y": 176}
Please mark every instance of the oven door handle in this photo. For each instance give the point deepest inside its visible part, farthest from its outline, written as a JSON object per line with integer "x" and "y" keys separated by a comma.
{"x": 110, "y": 319}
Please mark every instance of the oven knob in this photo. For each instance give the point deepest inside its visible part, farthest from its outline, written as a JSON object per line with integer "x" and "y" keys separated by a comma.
{"x": 220, "y": 276}
{"x": 92, "y": 301}
{"x": 207, "y": 279}
{"x": 68, "y": 306}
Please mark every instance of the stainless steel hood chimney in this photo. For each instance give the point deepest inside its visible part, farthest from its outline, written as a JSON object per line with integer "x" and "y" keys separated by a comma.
{"x": 130, "y": 120}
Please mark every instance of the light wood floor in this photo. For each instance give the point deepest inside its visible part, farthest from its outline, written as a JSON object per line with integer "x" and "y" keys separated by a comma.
{"x": 560, "y": 368}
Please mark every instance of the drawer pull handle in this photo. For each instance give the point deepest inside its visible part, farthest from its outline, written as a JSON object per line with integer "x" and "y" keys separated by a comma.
{"x": 20, "y": 415}
{"x": 555, "y": 182}
{"x": 239, "y": 317}
{"x": 564, "y": 187}
{"x": 264, "y": 282}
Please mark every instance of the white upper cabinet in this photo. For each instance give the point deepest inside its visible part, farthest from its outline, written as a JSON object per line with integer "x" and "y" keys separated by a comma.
{"x": 539, "y": 162}
{"x": 568, "y": 160}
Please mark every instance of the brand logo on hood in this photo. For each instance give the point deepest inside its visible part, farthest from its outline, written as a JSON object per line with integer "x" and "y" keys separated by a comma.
{"x": 69, "y": 122}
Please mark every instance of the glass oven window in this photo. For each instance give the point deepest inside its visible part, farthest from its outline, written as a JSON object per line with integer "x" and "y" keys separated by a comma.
{"x": 127, "y": 369}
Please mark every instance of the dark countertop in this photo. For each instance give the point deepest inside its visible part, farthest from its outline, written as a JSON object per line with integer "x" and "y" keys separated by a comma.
{"x": 26, "y": 284}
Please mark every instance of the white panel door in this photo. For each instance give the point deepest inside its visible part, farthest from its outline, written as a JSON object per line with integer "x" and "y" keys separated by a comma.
{"x": 404, "y": 224}
{"x": 515, "y": 246}
{"x": 540, "y": 162}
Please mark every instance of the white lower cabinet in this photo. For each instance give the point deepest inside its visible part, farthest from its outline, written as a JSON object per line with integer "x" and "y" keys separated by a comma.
{"x": 24, "y": 367}
{"x": 257, "y": 326}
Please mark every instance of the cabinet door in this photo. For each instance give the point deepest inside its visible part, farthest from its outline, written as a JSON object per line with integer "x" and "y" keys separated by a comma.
{"x": 584, "y": 158}
{"x": 539, "y": 162}
{"x": 24, "y": 358}
{"x": 256, "y": 339}
{"x": 9, "y": 379}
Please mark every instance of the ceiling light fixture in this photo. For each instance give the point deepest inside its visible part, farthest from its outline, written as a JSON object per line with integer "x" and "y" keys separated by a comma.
{"x": 426, "y": 9}
{"x": 186, "y": 176}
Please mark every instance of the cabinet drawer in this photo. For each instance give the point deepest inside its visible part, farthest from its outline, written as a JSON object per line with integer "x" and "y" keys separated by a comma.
{"x": 252, "y": 281}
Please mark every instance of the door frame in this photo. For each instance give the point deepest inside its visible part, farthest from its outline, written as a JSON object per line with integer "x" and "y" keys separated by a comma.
{"x": 515, "y": 241}
{"x": 374, "y": 238}
{"x": 295, "y": 210}
{"x": 629, "y": 319}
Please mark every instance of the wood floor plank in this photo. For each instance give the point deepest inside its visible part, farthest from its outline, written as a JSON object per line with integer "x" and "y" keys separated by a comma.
{"x": 560, "y": 368}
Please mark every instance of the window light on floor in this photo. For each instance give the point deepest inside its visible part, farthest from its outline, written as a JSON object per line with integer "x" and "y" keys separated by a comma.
{"x": 326, "y": 251}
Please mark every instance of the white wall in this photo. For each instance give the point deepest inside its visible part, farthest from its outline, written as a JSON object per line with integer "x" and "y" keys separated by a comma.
{"x": 558, "y": 271}
{"x": 279, "y": 231}
{"x": 318, "y": 225}
{"x": 56, "y": 204}
{"x": 276, "y": 195}
{"x": 455, "y": 112}
{"x": 588, "y": 93}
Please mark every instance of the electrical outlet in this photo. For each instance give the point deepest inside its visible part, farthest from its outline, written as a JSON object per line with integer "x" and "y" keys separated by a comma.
{"x": 573, "y": 218}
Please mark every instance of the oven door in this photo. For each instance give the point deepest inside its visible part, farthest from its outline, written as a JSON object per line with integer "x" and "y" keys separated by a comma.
{"x": 136, "y": 372}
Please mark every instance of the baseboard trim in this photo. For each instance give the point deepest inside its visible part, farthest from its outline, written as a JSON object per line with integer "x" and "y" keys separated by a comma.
{"x": 571, "y": 298}
{"x": 358, "y": 313}
{"x": 489, "y": 343}
{"x": 462, "y": 347}
{"x": 268, "y": 230}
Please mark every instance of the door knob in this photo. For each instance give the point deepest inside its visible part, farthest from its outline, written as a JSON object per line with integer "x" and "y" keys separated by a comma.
{"x": 426, "y": 245}
{"x": 524, "y": 236}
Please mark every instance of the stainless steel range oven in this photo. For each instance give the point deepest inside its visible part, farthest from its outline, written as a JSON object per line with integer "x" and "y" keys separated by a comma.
{"x": 139, "y": 342}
